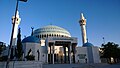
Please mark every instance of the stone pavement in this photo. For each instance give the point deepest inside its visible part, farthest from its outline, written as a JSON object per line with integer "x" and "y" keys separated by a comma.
{"x": 100, "y": 65}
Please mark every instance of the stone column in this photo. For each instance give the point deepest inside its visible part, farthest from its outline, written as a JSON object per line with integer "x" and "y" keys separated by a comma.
{"x": 50, "y": 55}
{"x": 47, "y": 54}
{"x": 73, "y": 53}
{"x": 69, "y": 53}
{"x": 53, "y": 49}
{"x": 64, "y": 54}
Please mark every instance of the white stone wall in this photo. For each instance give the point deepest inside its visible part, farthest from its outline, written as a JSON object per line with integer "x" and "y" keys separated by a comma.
{"x": 34, "y": 47}
{"x": 81, "y": 50}
{"x": 96, "y": 55}
{"x": 44, "y": 54}
{"x": 84, "y": 50}
{"x": 44, "y": 57}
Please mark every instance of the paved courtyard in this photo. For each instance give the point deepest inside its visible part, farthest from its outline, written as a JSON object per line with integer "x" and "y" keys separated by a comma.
{"x": 81, "y": 65}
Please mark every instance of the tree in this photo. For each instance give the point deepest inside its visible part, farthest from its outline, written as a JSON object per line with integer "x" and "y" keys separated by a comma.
{"x": 2, "y": 48}
{"x": 19, "y": 46}
{"x": 111, "y": 50}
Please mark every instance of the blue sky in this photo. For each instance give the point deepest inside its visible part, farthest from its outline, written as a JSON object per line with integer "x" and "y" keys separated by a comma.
{"x": 103, "y": 18}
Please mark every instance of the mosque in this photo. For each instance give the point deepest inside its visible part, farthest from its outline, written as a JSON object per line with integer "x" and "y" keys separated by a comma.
{"x": 54, "y": 44}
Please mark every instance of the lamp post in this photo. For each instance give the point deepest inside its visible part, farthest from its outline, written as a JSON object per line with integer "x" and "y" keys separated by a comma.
{"x": 11, "y": 39}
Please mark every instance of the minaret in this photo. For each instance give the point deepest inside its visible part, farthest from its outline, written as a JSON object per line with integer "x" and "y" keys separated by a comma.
{"x": 83, "y": 28}
{"x": 17, "y": 22}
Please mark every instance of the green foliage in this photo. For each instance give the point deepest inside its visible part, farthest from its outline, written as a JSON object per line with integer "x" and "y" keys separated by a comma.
{"x": 2, "y": 47}
{"x": 3, "y": 58}
{"x": 19, "y": 51}
{"x": 111, "y": 50}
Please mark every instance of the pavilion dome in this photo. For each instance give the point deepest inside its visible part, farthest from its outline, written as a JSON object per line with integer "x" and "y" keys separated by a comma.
{"x": 87, "y": 44}
{"x": 51, "y": 31}
{"x": 31, "y": 39}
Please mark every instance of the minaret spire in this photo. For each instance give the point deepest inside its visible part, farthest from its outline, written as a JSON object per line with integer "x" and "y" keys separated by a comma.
{"x": 17, "y": 15}
{"x": 82, "y": 23}
{"x": 82, "y": 17}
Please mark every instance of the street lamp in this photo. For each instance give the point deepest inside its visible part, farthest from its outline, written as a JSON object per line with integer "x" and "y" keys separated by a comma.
{"x": 9, "y": 51}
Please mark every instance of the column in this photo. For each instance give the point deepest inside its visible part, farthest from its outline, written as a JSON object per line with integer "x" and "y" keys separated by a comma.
{"x": 47, "y": 57}
{"x": 74, "y": 53}
{"x": 47, "y": 54}
{"x": 50, "y": 54}
{"x": 68, "y": 57}
{"x": 53, "y": 53}
{"x": 69, "y": 53}
{"x": 64, "y": 54}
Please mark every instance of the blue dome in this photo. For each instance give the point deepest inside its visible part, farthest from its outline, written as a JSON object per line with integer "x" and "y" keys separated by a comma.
{"x": 31, "y": 39}
{"x": 87, "y": 44}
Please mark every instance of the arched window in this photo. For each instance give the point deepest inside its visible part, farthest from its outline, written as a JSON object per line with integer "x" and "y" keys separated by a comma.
{"x": 42, "y": 36}
{"x": 38, "y": 36}
{"x": 55, "y": 35}
{"x": 59, "y": 35}
{"x": 52, "y": 35}
{"x": 47, "y": 35}
{"x": 29, "y": 52}
{"x": 38, "y": 54}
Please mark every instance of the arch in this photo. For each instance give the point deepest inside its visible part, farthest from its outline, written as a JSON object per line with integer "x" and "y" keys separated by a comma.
{"x": 44, "y": 36}
{"x": 47, "y": 35}
{"x": 52, "y": 35}
{"x": 38, "y": 54}
{"x": 57, "y": 35}
{"x": 40, "y": 36}
{"x": 29, "y": 52}
{"x": 36, "y": 36}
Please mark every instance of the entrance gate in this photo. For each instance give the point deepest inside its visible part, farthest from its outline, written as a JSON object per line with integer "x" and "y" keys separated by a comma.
{"x": 61, "y": 50}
